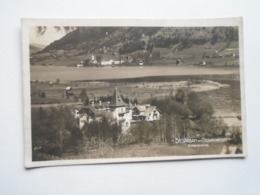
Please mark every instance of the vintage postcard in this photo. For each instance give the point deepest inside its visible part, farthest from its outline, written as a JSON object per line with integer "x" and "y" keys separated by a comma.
{"x": 110, "y": 91}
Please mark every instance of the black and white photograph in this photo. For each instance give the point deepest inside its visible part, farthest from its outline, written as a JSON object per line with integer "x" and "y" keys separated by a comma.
{"x": 110, "y": 91}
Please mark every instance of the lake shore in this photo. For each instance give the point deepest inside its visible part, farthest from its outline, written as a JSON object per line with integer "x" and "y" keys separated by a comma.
{"x": 199, "y": 86}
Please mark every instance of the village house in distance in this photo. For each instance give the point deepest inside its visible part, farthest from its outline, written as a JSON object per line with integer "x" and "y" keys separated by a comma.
{"x": 124, "y": 114}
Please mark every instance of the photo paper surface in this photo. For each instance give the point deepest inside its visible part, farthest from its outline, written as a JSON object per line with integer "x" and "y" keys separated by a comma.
{"x": 111, "y": 91}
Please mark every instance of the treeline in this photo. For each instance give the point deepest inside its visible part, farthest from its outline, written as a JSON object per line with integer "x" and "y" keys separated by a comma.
{"x": 184, "y": 115}
{"x": 132, "y": 46}
{"x": 55, "y": 133}
{"x": 184, "y": 104}
{"x": 103, "y": 132}
{"x": 183, "y": 37}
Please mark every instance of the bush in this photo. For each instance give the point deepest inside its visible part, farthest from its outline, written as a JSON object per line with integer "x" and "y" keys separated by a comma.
{"x": 143, "y": 133}
{"x": 86, "y": 62}
{"x": 42, "y": 95}
{"x": 180, "y": 96}
{"x": 104, "y": 130}
{"x": 235, "y": 136}
{"x": 199, "y": 107}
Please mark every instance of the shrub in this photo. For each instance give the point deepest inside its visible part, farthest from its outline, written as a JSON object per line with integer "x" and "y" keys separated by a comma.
{"x": 42, "y": 95}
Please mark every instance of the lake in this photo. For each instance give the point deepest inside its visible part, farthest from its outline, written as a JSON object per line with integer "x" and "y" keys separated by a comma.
{"x": 51, "y": 73}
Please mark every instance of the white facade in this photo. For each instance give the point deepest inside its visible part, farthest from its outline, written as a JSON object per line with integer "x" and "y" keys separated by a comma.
{"x": 107, "y": 62}
{"x": 146, "y": 112}
{"x": 123, "y": 117}
{"x": 152, "y": 115}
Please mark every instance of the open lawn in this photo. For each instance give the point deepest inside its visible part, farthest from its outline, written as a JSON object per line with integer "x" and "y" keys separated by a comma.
{"x": 224, "y": 92}
{"x": 140, "y": 90}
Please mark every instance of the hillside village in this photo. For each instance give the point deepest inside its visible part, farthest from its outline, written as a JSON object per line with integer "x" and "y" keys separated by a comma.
{"x": 141, "y": 46}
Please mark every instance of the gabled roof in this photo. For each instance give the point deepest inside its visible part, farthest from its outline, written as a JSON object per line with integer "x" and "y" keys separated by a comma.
{"x": 117, "y": 100}
{"x": 148, "y": 111}
{"x": 89, "y": 110}
{"x": 141, "y": 108}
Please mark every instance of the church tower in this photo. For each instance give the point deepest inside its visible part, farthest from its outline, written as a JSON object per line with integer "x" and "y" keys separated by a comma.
{"x": 120, "y": 113}
{"x": 117, "y": 100}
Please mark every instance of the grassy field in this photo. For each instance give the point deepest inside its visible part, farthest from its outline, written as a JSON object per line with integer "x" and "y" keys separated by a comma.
{"x": 141, "y": 88}
{"x": 153, "y": 150}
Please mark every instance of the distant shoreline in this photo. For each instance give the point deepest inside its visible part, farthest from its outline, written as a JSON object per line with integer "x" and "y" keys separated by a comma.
{"x": 227, "y": 77}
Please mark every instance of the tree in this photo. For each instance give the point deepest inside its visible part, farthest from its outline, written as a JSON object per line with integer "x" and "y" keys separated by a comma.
{"x": 99, "y": 58}
{"x": 180, "y": 96}
{"x": 86, "y": 102}
{"x": 199, "y": 107}
{"x": 42, "y": 94}
{"x": 115, "y": 133}
{"x": 125, "y": 99}
{"x": 52, "y": 132}
{"x": 150, "y": 46}
{"x": 235, "y": 136}
{"x": 135, "y": 101}
{"x": 83, "y": 96}
{"x": 86, "y": 62}
{"x": 143, "y": 132}
{"x": 174, "y": 107}
{"x": 156, "y": 54}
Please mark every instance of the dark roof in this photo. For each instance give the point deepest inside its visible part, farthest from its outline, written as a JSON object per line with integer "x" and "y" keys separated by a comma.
{"x": 89, "y": 110}
{"x": 140, "y": 108}
{"x": 117, "y": 100}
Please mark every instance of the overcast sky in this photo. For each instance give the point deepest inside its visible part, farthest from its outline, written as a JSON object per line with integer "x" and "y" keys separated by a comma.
{"x": 45, "y": 37}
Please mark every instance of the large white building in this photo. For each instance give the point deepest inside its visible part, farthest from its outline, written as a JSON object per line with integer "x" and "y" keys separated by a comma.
{"x": 119, "y": 111}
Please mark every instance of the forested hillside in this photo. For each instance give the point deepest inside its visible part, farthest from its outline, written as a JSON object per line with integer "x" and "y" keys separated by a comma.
{"x": 121, "y": 42}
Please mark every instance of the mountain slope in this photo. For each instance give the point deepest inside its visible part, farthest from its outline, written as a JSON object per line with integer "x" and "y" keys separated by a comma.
{"x": 92, "y": 38}
{"x": 137, "y": 42}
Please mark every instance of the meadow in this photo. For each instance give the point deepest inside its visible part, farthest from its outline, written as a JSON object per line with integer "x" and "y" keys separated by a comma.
{"x": 140, "y": 83}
